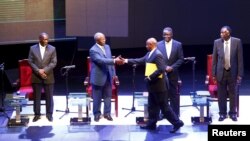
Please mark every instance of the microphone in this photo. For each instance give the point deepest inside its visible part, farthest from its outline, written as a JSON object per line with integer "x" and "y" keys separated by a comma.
{"x": 190, "y": 58}
{"x": 69, "y": 67}
{"x": 134, "y": 65}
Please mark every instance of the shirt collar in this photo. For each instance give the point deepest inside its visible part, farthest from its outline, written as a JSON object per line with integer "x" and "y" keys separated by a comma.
{"x": 228, "y": 41}
{"x": 152, "y": 51}
{"x": 99, "y": 45}
{"x": 170, "y": 42}
{"x": 41, "y": 45}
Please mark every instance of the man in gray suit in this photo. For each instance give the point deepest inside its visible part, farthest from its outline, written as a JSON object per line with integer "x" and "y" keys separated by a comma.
{"x": 101, "y": 75}
{"x": 173, "y": 58}
{"x": 227, "y": 71}
{"x": 42, "y": 59}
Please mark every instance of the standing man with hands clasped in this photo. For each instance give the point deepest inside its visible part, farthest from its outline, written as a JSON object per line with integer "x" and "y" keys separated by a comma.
{"x": 42, "y": 59}
{"x": 101, "y": 75}
{"x": 227, "y": 71}
{"x": 173, "y": 57}
{"x": 157, "y": 89}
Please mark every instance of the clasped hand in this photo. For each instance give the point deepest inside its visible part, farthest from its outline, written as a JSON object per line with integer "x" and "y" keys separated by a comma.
{"x": 42, "y": 74}
{"x": 119, "y": 60}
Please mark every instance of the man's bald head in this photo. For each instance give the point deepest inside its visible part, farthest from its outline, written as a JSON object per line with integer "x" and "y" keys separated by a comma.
{"x": 151, "y": 43}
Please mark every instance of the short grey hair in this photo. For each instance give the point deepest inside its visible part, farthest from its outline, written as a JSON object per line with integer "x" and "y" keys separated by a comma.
{"x": 97, "y": 35}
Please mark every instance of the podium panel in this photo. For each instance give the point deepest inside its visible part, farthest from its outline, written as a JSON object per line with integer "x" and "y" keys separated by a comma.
{"x": 80, "y": 100}
{"x": 142, "y": 100}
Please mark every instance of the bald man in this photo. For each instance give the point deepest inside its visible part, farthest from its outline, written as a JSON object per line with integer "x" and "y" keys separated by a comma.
{"x": 157, "y": 88}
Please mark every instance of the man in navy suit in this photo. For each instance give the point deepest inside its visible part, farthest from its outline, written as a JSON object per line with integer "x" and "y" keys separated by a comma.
{"x": 173, "y": 58}
{"x": 42, "y": 59}
{"x": 101, "y": 75}
{"x": 157, "y": 88}
{"x": 227, "y": 71}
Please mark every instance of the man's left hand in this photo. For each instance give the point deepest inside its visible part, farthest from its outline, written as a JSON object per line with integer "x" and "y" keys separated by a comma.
{"x": 169, "y": 69}
{"x": 147, "y": 79}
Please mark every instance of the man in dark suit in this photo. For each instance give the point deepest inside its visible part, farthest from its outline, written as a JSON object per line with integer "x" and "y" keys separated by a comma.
{"x": 42, "y": 59}
{"x": 101, "y": 76}
{"x": 173, "y": 58}
{"x": 227, "y": 71}
{"x": 156, "y": 86}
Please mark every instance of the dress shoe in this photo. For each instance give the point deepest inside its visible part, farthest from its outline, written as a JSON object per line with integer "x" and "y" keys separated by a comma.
{"x": 97, "y": 118}
{"x": 222, "y": 117}
{"x": 108, "y": 117}
{"x": 177, "y": 126}
{"x": 36, "y": 118}
{"x": 50, "y": 118}
{"x": 148, "y": 127}
{"x": 233, "y": 117}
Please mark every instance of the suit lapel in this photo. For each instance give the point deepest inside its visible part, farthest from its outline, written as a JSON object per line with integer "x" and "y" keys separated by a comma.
{"x": 100, "y": 50}
{"x": 46, "y": 52}
{"x": 106, "y": 51}
{"x": 164, "y": 53}
{"x": 221, "y": 48}
{"x": 232, "y": 47}
{"x": 38, "y": 51}
{"x": 172, "y": 50}
{"x": 148, "y": 58}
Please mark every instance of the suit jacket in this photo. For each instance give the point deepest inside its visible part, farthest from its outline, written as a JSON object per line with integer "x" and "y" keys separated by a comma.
{"x": 101, "y": 65}
{"x": 175, "y": 60}
{"x": 156, "y": 84}
{"x": 48, "y": 63}
{"x": 236, "y": 58}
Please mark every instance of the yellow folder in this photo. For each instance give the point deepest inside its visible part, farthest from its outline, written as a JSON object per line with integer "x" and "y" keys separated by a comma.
{"x": 151, "y": 68}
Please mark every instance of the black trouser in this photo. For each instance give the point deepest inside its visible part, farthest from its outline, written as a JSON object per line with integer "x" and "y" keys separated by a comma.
{"x": 227, "y": 88}
{"x": 173, "y": 97}
{"x": 156, "y": 102}
{"x": 37, "y": 90}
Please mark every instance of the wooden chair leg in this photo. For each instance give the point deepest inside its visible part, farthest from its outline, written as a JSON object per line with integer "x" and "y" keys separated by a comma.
{"x": 116, "y": 106}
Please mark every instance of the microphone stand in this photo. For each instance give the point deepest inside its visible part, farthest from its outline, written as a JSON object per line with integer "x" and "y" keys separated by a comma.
{"x": 66, "y": 111}
{"x": 133, "y": 101}
{"x": 193, "y": 93}
{"x": 2, "y": 108}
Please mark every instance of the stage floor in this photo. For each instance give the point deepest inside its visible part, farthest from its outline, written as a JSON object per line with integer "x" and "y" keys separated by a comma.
{"x": 121, "y": 128}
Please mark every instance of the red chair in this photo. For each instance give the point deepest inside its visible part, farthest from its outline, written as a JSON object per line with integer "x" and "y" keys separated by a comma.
{"x": 25, "y": 85}
{"x": 212, "y": 86}
{"x": 114, "y": 87}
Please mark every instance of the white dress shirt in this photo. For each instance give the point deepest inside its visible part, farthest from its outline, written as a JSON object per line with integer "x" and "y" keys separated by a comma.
{"x": 42, "y": 50}
{"x": 150, "y": 53}
{"x": 168, "y": 46}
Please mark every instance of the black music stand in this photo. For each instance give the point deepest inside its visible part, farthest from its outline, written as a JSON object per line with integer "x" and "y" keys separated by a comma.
{"x": 2, "y": 95}
{"x": 132, "y": 109}
{"x": 65, "y": 72}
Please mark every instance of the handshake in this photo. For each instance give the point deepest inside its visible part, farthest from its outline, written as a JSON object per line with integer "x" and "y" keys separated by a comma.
{"x": 119, "y": 60}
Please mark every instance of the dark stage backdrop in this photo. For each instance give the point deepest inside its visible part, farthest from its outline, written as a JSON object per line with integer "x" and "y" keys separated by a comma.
{"x": 128, "y": 23}
{"x": 195, "y": 22}
{"x": 21, "y": 21}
